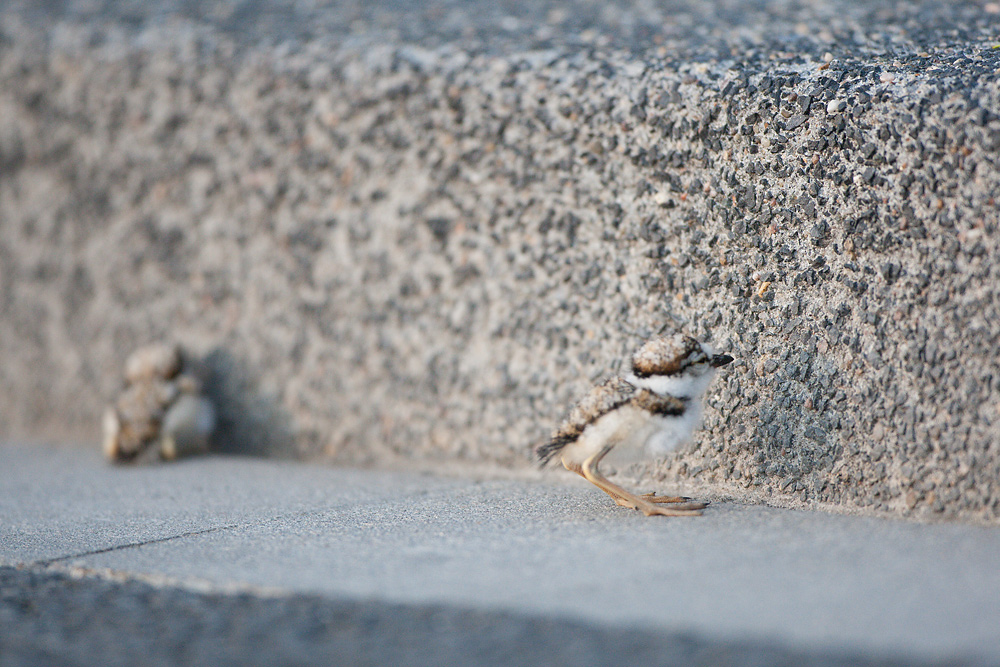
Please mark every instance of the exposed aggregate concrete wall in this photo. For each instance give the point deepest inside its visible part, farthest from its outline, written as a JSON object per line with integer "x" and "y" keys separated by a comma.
{"x": 392, "y": 250}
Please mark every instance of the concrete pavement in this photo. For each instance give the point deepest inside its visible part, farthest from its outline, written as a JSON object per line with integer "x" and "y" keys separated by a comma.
{"x": 477, "y": 568}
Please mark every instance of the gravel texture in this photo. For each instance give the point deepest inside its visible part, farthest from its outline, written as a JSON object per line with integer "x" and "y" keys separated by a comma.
{"x": 419, "y": 231}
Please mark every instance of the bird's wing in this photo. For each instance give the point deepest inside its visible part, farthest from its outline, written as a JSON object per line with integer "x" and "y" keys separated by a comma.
{"x": 601, "y": 400}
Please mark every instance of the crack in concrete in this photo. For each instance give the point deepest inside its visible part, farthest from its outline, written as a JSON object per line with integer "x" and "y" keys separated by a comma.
{"x": 191, "y": 533}
{"x": 131, "y": 545}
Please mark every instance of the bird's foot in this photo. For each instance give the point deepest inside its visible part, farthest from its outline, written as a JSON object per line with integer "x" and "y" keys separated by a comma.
{"x": 674, "y": 509}
{"x": 682, "y": 502}
{"x": 642, "y": 504}
{"x": 653, "y": 498}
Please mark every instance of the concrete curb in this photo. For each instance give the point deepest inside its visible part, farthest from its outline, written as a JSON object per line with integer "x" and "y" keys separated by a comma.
{"x": 397, "y": 242}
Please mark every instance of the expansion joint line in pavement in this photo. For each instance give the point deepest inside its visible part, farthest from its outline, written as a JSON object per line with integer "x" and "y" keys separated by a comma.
{"x": 132, "y": 545}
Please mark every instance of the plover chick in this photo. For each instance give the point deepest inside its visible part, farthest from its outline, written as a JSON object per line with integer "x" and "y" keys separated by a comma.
{"x": 651, "y": 411}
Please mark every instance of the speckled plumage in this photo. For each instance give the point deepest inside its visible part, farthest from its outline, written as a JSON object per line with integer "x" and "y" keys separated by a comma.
{"x": 669, "y": 355}
{"x": 655, "y": 404}
{"x": 602, "y": 399}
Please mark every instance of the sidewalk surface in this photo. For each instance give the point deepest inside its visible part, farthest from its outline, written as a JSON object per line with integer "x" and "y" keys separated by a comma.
{"x": 456, "y": 568}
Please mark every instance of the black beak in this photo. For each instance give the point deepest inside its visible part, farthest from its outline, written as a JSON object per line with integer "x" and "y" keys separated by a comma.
{"x": 720, "y": 360}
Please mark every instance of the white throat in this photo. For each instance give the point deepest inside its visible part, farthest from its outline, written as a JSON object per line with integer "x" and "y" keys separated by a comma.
{"x": 678, "y": 386}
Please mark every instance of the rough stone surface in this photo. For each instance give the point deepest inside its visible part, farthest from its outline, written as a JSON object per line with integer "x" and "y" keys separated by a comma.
{"x": 420, "y": 232}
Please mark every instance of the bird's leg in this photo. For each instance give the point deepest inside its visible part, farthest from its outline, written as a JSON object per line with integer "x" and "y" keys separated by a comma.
{"x": 590, "y": 471}
{"x": 575, "y": 467}
{"x": 624, "y": 498}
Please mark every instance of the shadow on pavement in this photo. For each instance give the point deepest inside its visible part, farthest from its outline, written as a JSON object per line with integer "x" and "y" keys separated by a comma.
{"x": 52, "y": 617}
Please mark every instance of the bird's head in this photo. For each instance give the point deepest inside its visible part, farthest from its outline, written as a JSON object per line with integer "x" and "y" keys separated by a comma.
{"x": 676, "y": 365}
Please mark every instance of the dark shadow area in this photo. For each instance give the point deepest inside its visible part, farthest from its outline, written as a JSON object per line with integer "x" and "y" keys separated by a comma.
{"x": 248, "y": 422}
{"x": 52, "y": 618}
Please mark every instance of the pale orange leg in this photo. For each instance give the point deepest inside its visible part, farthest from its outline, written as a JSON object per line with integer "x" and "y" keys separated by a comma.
{"x": 589, "y": 471}
{"x": 573, "y": 467}
{"x": 623, "y": 501}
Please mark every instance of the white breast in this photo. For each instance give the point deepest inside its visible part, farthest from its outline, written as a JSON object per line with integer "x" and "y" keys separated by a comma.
{"x": 681, "y": 386}
{"x": 673, "y": 432}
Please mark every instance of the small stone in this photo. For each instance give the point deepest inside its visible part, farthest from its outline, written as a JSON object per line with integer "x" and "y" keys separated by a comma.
{"x": 836, "y": 106}
{"x": 815, "y": 433}
{"x": 795, "y": 121}
{"x": 663, "y": 199}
